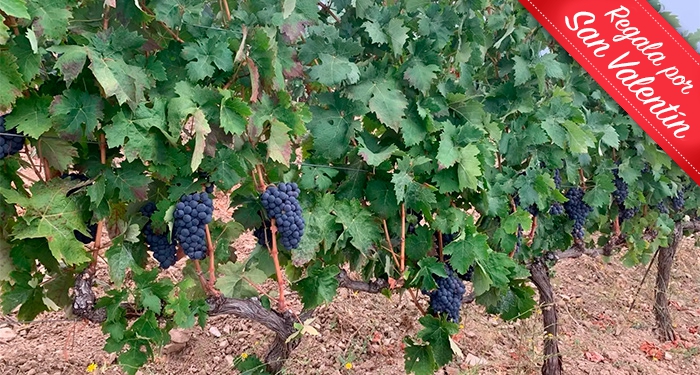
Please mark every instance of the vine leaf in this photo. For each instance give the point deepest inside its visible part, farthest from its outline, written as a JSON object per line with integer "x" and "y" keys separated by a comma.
{"x": 233, "y": 114}
{"x": 384, "y": 99}
{"x": 469, "y": 167}
{"x": 58, "y": 153}
{"x": 70, "y": 62}
{"x": 334, "y": 124}
{"x": 464, "y": 253}
{"x": 31, "y": 115}
{"x": 419, "y": 359}
{"x": 6, "y": 265}
{"x": 382, "y": 198}
{"x": 120, "y": 258}
{"x": 358, "y": 225}
{"x": 11, "y": 80}
{"x": 421, "y": 76}
{"x": 334, "y": 70}
{"x": 279, "y": 146}
{"x": 15, "y": 8}
{"x": 398, "y": 33}
{"x": 321, "y": 228}
{"x": 51, "y": 215}
{"x": 130, "y": 181}
{"x": 579, "y": 140}
{"x": 132, "y": 131}
{"x": 428, "y": 267}
{"x": 28, "y": 58}
{"x": 205, "y": 54}
{"x": 233, "y": 282}
{"x": 51, "y": 18}
{"x": 437, "y": 332}
{"x": 201, "y": 130}
{"x": 319, "y": 286}
{"x": 74, "y": 109}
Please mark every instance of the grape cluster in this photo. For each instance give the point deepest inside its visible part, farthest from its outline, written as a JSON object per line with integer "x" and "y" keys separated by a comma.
{"x": 532, "y": 209}
{"x": 621, "y": 189}
{"x": 10, "y": 142}
{"x": 577, "y": 210}
{"x": 446, "y": 240}
{"x": 281, "y": 204}
{"x": 619, "y": 195}
{"x": 264, "y": 234}
{"x": 679, "y": 200}
{"x": 557, "y": 179}
{"x": 208, "y": 185}
{"x": 662, "y": 208}
{"x": 556, "y": 208}
{"x": 447, "y": 298}
{"x": 163, "y": 250}
{"x": 192, "y": 214}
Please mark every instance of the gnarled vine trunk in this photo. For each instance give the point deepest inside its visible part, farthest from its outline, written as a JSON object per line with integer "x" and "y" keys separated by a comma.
{"x": 664, "y": 323}
{"x": 552, "y": 357}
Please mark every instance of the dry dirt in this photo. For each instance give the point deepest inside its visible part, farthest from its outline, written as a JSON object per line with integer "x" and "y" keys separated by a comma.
{"x": 597, "y": 333}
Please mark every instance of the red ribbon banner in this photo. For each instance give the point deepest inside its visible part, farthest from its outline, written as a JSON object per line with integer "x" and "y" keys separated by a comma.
{"x": 640, "y": 60}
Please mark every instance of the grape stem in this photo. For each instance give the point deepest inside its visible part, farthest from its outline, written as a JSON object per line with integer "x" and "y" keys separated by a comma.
{"x": 37, "y": 170}
{"x": 275, "y": 257}
{"x": 582, "y": 178}
{"x": 205, "y": 285}
{"x": 403, "y": 238}
{"x": 531, "y": 235}
{"x": 440, "y": 246}
{"x": 100, "y": 224}
{"x": 414, "y": 298}
{"x": 210, "y": 250}
{"x": 616, "y": 226}
{"x": 226, "y": 10}
{"x": 390, "y": 248}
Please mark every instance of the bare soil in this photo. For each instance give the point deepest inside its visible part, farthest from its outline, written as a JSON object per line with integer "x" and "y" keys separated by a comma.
{"x": 364, "y": 332}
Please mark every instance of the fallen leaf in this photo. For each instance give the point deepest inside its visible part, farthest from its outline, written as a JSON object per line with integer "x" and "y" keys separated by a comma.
{"x": 594, "y": 357}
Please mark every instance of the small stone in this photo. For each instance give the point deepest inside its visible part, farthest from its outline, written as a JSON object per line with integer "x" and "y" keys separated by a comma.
{"x": 214, "y": 331}
{"x": 227, "y": 329}
{"x": 229, "y": 360}
{"x": 173, "y": 347}
{"x": 223, "y": 343}
{"x": 668, "y": 356}
{"x": 612, "y": 355}
{"x": 7, "y": 334}
{"x": 179, "y": 336}
{"x": 470, "y": 334}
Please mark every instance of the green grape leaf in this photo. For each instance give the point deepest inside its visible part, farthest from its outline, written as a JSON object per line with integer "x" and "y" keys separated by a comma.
{"x": 132, "y": 130}
{"x": 31, "y": 116}
{"x": 206, "y": 54}
{"x": 51, "y": 18}
{"x": 421, "y": 76}
{"x": 437, "y": 332}
{"x": 468, "y": 167}
{"x": 382, "y": 198}
{"x": 51, "y": 215}
{"x": 233, "y": 114}
{"x": 419, "y": 359}
{"x": 201, "y": 130}
{"x": 384, "y": 99}
{"x": 70, "y": 62}
{"x": 279, "y": 146}
{"x": 522, "y": 70}
{"x": 398, "y": 33}
{"x": 579, "y": 139}
{"x": 319, "y": 286}
{"x": 358, "y": 225}
{"x": 75, "y": 109}
{"x": 120, "y": 257}
{"x": 11, "y": 80}
{"x": 28, "y": 60}
{"x": 15, "y": 8}
{"x": 424, "y": 276}
{"x": 130, "y": 182}
{"x": 234, "y": 280}
{"x": 463, "y": 253}
{"x": 334, "y": 70}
